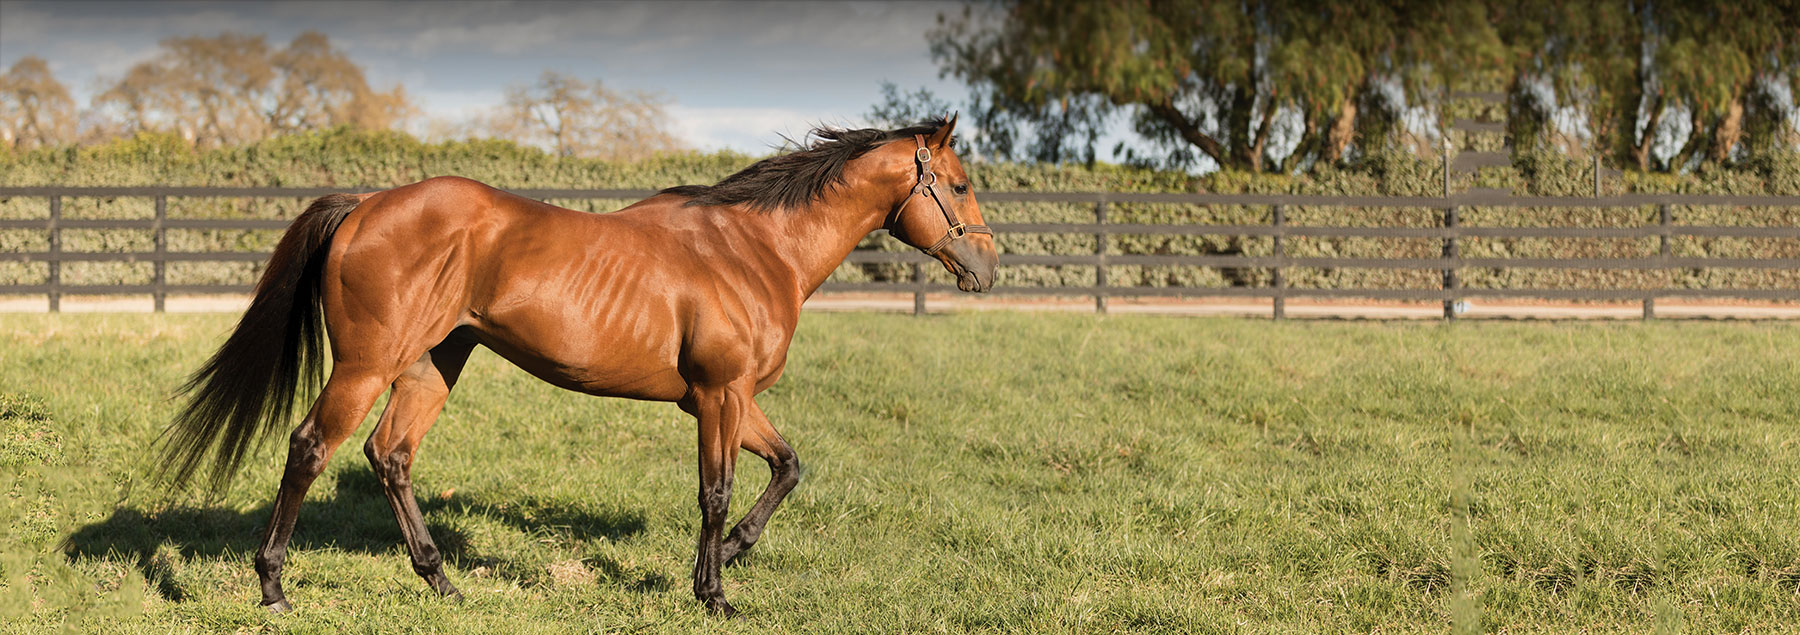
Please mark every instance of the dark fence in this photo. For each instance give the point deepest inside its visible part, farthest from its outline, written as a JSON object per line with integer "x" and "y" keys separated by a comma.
{"x": 1448, "y": 230}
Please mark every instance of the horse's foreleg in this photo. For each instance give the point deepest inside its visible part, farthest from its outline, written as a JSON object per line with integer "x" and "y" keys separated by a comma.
{"x": 761, "y": 439}
{"x": 418, "y": 397}
{"x": 721, "y": 413}
{"x": 338, "y": 411}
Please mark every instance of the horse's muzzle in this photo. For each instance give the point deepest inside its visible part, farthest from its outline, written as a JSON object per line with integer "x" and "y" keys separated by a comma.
{"x": 974, "y": 265}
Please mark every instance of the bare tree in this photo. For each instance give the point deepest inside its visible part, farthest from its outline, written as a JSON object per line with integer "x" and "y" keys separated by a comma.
{"x": 35, "y": 109}
{"x": 575, "y": 117}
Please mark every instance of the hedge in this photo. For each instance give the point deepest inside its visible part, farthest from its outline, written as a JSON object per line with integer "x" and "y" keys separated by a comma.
{"x": 353, "y": 159}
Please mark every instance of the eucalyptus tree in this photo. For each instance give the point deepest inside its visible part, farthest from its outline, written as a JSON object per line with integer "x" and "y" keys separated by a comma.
{"x": 1206, "y": 77}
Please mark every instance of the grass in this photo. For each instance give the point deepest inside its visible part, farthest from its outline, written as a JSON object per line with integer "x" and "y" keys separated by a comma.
{"x": 997, "y": 472}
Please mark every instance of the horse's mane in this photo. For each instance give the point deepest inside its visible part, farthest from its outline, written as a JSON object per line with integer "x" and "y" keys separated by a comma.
{"x": 797, "y": 179}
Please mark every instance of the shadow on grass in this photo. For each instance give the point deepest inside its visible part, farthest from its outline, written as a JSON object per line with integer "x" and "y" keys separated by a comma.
{"x": 355, "y": 518}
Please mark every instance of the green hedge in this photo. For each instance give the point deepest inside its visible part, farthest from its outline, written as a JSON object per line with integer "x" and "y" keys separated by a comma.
{"x": 380, "y": 159}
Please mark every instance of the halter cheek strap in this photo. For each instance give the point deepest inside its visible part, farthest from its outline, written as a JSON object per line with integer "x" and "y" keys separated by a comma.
{"x": 927, "y": 187}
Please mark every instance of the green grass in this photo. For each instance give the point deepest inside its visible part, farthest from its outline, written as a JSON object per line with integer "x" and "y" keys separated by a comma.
{"x": 996, "y": 472}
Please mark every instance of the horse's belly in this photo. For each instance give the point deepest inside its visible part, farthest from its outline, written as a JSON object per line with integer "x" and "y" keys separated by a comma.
{"x": 612, "y": 371}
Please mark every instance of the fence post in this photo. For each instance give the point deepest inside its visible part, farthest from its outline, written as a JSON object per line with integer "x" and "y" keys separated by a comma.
{"x": 1450, "y": 267}
{"x": 159, "y": 293}
{"x": 54, "y": 277}
{"x": 919, "y": 288}
{"x": 1596, "y": 175}
{"x": 1277, "y": 218}
{"x": 1663, "y": 218}
{"x": 1100, "y": 257}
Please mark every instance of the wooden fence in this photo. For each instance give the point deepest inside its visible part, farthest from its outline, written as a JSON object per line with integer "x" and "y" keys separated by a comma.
{"x": 1448, "y": 230}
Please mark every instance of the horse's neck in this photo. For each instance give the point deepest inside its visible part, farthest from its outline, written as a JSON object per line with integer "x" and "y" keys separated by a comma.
{"x": 812, "y": 242}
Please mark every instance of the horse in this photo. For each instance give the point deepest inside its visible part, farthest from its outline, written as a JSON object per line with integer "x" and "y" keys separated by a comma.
{"x": 690, "y": 296}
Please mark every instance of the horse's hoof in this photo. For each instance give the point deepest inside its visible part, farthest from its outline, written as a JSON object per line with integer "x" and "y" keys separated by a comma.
{"x": 718, "y": 606}
{"x": 443, "y": 587}
{"x": 278, "y": 607}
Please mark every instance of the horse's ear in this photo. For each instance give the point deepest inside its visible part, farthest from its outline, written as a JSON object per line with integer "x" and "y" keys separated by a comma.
{"x": 941, "y": 138}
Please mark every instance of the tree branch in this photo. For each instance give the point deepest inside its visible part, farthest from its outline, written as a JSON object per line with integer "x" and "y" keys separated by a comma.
{"x": 1189, "y": 132}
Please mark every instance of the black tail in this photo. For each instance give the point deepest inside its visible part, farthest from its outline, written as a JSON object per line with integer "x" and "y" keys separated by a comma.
{"x": 248, "y": 388}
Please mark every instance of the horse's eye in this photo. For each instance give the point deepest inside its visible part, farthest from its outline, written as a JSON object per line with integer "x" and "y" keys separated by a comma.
{"x": 960, "y": 189}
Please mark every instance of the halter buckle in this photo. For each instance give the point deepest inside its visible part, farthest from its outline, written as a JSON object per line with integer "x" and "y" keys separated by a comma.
{"x": 957, "y": 231}
{"x": 922, "y": 155}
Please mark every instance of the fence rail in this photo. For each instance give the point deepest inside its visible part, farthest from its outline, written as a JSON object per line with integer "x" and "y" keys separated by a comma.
{"x": 1447, "y": 229}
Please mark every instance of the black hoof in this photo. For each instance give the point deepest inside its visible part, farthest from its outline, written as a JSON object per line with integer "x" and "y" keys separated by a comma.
{"x": 444, "y": 588}
{"x": 718, "y": 606}
{"x": 278, "y": 607}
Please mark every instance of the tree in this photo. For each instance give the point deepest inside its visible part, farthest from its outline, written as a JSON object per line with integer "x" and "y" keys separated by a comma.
{"x": 900, "y": 109}
{"x": 1207, "y": 76}
{"x": 575, "y": 117}
{"x": 232, "y": 89}
{"x": 1627, "y": 67}
{"x": 35, "y": 109}
{"x": 320, "y": 87}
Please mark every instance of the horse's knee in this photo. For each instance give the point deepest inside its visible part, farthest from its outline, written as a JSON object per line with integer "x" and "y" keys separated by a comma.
{"x": 714, "y": 501}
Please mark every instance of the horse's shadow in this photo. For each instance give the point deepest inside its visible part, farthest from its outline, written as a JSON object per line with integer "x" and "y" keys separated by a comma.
{"x": 356, "y": 518}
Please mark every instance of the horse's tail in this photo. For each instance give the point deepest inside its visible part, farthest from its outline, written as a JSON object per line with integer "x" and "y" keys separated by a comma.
{"x": 249, "y": 386}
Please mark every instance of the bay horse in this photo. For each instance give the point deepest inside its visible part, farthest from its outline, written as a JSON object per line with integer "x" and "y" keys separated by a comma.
{"x": 690, "y": 296}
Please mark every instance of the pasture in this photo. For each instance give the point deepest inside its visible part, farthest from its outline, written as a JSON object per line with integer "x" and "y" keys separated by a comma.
{"x": 984, "y": 472}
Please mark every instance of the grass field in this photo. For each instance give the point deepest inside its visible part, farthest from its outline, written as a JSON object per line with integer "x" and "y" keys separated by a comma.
{"x": 999, "y": 472}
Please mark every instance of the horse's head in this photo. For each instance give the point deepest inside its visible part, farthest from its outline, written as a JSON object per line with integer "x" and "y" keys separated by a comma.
{"x": 940, "y": 216}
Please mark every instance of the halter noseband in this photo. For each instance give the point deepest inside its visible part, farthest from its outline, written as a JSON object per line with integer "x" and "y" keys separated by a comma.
{"x": 957, "y": 230}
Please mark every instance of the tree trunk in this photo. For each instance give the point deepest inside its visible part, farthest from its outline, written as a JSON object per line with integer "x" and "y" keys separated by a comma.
{"x": 1262, "y": 136}
{"x": 1731, "y": 130}
{"x": 1641, "y": 151}
{"x": 1309, "y": 142}
{"x": 1237, "y": 123}
{"x": 1342, "y": 131}
{"x": 1697, "y": 139}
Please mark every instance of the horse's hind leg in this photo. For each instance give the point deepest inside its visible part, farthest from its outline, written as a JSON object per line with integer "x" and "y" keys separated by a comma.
{"x": 761, "y": 439}
{"x": 340, "y": 408}
{"x": 418, "y": 397}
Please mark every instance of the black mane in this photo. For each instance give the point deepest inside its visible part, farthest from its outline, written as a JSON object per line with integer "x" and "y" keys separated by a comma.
{"x": 796, "y": 179}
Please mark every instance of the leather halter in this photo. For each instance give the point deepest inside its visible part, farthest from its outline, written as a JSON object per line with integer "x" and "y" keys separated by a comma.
{"x": 928, "y": 187}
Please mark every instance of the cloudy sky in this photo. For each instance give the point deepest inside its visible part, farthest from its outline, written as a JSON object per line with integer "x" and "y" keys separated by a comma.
{"x": 738, "y": 74}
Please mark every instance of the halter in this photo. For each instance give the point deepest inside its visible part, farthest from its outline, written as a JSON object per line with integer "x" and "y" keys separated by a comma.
{"x": 957, "y": 230}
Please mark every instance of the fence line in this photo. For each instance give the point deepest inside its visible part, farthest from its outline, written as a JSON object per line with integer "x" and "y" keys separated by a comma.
{"x": 1449, "y": 230}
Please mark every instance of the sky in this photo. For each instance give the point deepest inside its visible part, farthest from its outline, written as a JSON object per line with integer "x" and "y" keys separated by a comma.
{"x": 737, "y": 75}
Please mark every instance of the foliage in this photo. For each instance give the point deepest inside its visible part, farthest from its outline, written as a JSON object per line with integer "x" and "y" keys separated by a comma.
{"x": 1208, "y": 77}
{"x": 1629, "y": 67}
{"x": 1224, "y": 80}
{"x": 1111, "y": 474}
